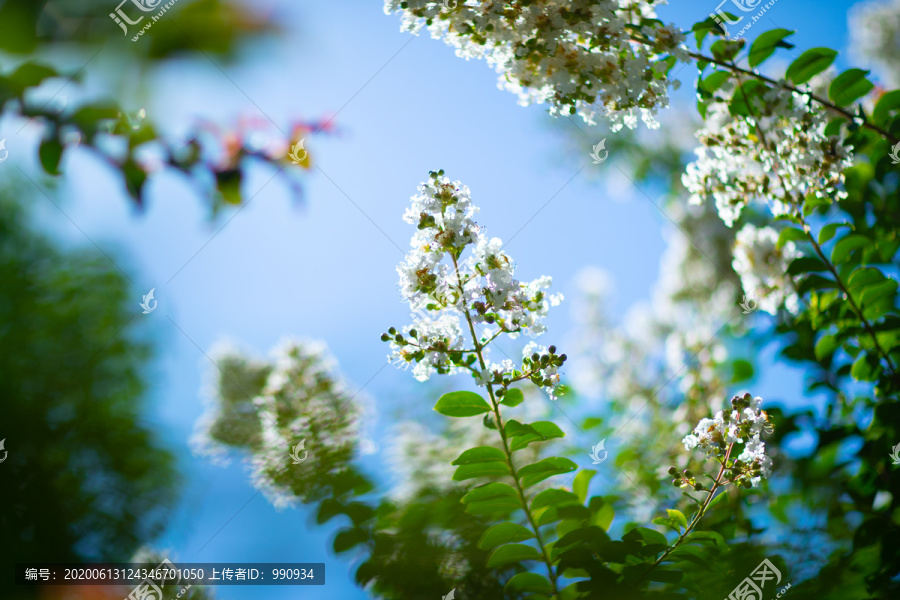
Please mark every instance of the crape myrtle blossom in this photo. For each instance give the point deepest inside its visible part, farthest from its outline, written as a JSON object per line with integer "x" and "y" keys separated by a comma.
{"x": 595, "y": 57}
{"x": 762, "y": 267}
{"x": 743, "y": 424}
{"x": 779, "y": 156}
{"x": 269, "y": 407}
{"x": 462, "y": 286}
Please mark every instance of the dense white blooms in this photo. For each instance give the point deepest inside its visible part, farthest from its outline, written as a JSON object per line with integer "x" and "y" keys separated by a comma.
{"x": 457, "y": 280}
{"x": 593, "y": 57}
{"x": 268, "y": 408}
{"x": 742, "y": 424}
{"x": 762, "y": 267}
{"x": 779, "y": 156}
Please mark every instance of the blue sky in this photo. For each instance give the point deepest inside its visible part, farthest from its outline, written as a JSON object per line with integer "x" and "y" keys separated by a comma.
{"x": 324, "y": 268}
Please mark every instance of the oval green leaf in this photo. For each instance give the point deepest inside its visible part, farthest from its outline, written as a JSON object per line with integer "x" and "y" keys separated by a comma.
{"x": 461, "y": 404}
{"x": 481, "y": 469}
{"x": 511, "y": 553}
{"x": 541, "y": 470}
{"x": 528, "y": 582}
{"x": 503, "y": 533}
{"x": 766, "y": 43}
{"x": 513, "y": 397}
{"x": 810, "y": 63}
{"x": 849, "y": 86}
{"x": 846, "y": 245}
{"x": 479, "y": 454}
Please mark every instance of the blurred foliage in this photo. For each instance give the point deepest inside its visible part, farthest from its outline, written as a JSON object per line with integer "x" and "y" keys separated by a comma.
{"x": 215, "y": 159}
{"x": 84, "y": 480}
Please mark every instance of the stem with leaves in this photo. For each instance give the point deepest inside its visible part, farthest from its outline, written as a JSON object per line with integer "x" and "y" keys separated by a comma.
{"x": 520, "y": 491}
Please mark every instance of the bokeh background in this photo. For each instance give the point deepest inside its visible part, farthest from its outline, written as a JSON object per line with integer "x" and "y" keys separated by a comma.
{"x": 321, "y": 265}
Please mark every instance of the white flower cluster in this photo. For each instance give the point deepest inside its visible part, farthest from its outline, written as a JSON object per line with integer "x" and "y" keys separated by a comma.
{"x": 592, "y": 57}
{"x": 268, "y": 408}
{"x": 762, "y": 267}
{"x": 780, "y": 156}
{"x": 743, "y": 424}
{"x": 447, "y": 290}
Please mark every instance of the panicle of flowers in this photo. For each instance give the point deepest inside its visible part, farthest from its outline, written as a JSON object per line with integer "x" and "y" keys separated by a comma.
{"x": 762, "y": 267}
{"x": 716, "y": 437}
{"x": 267, "y": 408}
{"x": 462, "y": 289}
{"x": 779, "y": 156}
{"x": 605, "y": 57}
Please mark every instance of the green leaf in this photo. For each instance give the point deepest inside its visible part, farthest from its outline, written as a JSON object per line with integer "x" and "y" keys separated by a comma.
{"x": 461, "y": 404}
{"x": 603, "y": 514}
{"x": 481, "y": 469}
{"x": 863, "y": 277}
{"x": 862, "y": 370}
{"x": 649, "y": 536}
{"x": 766, "y": 43}
{"x": 826, "y": 346}
{"x": 726, "y": 50}
{"x": 503, "y": 533}
{"x": 554, "y": 497}
{"x": 878, "y": 291}
{"x": 511, "y": 553}
{"x": 28, "y": 75}
{"x": 677, "y": 516}
{"x": 742, "y": 370}
{"x": 829, "y": 230}
{"x": 708, "y": 538}
{"x": 810, "y": 63}
{"x": 806, "y": 264}
{"x": 528, "y": 582}
{"x": 349, "y": 538}
{"x": 541, "y": 470}
{"x": 790, "y": 234}
{"x": 491, "y": 498}
{"x": 886, "y": 104}
{"x": 479, "y": 454}
{"x": 524, "y": 434}
{"x": 229, "y": 184}
{"x": 846, "y": 245}
{"x": 849, "y": 86}
{"x": 714, "y": 81}
{"x": 513, "y": 397}
{"x": 581, "y": 483}
{"x": 51, "y": 152}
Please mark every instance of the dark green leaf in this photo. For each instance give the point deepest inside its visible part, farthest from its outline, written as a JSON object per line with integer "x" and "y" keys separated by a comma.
{"x": 528, "y": 582}
{"x": 503, "y": 533}
{"x": 541, "y": 470}
{"x": 511, "y": 553}
{"x": 554, "y": 497}
{"x": 829, "y": 230}
{"x": 513, "y": 397}
{"x": 461, "y": 404}
{"x": 491, "y": 498}
{"x": 481, "y": 469}
{"x": 766, "y": 43}
{"x": 479, "y": 454}
{"x": 51, "y": 153}
{"x": 810, "y": 63}
{"x": 886, "y": 104}
{"x": 790, "y": 234}
{"x": 849, "y": 86}
{"x": 349, "y": 538}
{"x": 846, "y": 245}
